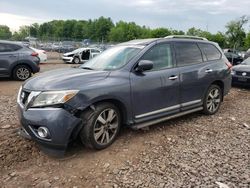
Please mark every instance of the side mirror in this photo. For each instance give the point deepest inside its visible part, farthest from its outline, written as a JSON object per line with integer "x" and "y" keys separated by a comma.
{"x": 144, "y": 65}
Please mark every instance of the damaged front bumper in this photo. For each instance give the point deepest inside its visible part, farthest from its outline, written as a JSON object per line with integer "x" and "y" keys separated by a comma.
{"x": 62, "y": 126}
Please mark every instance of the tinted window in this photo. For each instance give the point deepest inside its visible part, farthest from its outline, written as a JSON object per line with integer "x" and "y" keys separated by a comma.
{"x": 9, "y": 47}
{"x": 160, "y": 55}
{"x": 210, "y": 51}
{"x": 187, "y": 53}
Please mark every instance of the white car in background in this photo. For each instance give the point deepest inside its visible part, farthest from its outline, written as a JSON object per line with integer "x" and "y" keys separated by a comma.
{"x": 41, "y": 54}
{"x": 80, "y": 55}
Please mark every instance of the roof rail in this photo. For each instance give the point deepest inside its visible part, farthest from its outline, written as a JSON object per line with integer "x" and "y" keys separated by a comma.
{"x": 185, "y": 37}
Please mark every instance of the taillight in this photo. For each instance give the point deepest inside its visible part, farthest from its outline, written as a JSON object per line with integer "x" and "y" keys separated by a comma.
{"x": 229, "y": 65}
{"x": 34, "y": 54}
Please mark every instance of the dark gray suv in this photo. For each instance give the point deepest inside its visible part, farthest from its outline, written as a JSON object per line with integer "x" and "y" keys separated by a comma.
{"x": 137, "y": 84}
{"x": 17, "y": 60}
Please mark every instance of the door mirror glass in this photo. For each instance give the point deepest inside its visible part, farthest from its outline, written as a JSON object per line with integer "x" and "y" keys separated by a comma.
{"x": 144, "y": 65}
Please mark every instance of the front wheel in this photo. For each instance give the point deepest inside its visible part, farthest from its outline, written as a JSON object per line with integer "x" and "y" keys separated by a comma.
{"x": 212, "y": 100}
{"x": 76, "y": 60}
{"x": 101, "y": 126}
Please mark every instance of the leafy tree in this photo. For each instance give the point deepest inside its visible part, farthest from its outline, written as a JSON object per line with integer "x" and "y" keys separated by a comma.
{"x": 160, "y": 32}
{"x": 34, "y": 29}
{"x": 247, "y": 41}
{"x": 235, "y": 32}
{"x": 124, "y": 31}
{"x": 102, "y": 28}
{"x": 220, "y": 38}
{"x": 5, "y": 32}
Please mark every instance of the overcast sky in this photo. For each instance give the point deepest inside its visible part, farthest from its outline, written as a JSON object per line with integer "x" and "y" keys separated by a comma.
{"x": 211, "y": 15}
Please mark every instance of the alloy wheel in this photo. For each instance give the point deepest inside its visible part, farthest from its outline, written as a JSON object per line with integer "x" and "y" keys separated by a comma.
{"x": 106, "y": 126}
{"x": 213, "y": 100}
{"x": 23, "y": 73}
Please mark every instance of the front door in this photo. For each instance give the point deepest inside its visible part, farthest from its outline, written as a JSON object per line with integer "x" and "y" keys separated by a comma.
{"x": 156, "y": 92}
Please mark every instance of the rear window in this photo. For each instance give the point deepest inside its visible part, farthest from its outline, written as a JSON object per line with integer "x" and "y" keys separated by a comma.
{"x": 9, "y": 47}
{"x": 187, "y": 53}
{"x": 210, "y": 51}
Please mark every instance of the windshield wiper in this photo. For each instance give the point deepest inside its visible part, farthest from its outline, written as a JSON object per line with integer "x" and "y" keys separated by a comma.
{"x": 87, "y": 68}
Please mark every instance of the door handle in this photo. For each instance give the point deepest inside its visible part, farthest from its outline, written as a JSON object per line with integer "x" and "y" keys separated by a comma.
{"x": 172, "y": 77}
{"x": 208, "y": 71}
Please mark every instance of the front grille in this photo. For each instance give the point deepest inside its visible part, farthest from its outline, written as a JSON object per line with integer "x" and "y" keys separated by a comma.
{"x": 239, "y": 73}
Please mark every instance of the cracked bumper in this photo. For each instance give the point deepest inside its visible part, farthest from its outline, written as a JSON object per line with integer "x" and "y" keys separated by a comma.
{"x": 60, "y": 123}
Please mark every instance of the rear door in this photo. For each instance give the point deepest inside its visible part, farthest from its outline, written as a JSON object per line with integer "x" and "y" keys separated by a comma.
{"x": 194, "y": 74}
{"x": 8, "y": 55}
{"x": 155, "y": 92}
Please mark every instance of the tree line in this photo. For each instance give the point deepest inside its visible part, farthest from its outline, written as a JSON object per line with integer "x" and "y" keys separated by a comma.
{"x": 105, "y": 30}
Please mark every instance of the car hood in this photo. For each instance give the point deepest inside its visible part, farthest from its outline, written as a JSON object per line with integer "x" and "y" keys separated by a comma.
{"x": 69, "y": 53}
{"x": 242, "y": 68}
{"x": 64, "y": 79}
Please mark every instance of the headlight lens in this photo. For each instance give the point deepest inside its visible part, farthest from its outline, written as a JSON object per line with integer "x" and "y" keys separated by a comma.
{"x": 232, "y": 72}
{"x": 53, "y": 97}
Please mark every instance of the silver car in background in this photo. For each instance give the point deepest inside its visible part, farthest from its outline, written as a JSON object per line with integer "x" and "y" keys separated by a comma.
{"x": 80, "y": 55}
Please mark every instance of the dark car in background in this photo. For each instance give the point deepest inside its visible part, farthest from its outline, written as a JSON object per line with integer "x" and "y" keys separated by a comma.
{"x": 137, "y": 84}
{"x": 17, "y": 60}
{"x": 233, "y": 57}
{"x": 241, "y": 73}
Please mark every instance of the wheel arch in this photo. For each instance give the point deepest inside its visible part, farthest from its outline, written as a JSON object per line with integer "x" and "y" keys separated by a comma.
{"x": 120, "y": 105}
{"x": 221, "y": 85}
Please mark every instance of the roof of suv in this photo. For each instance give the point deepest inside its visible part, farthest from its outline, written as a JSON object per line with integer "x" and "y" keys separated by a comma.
{"x": 145, "y": 42}
{"x": 11, "y": 42}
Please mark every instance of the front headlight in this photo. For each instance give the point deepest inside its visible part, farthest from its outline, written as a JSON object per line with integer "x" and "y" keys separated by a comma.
{"x": 53, "y": 97}
{"x": 232, "y": 72}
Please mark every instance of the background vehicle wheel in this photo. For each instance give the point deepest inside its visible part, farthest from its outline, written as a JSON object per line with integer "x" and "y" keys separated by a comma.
{"x": 212, "y": 100}
{"x": 76, "y": 60}
{"x": 22, "y": 72}
{"x": 101, "y": 126}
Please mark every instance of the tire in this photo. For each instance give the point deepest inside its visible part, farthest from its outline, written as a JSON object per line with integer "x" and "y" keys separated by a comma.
{"x": 101, "y": 126}
{"x": 76, "y": 60}
{"x": 212, "y": 100}
{"x": 22, "y": 72}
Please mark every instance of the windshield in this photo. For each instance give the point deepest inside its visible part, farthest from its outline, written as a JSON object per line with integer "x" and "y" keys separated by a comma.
{"x": 112, "y": 58}
{"x": 246, "y": 61}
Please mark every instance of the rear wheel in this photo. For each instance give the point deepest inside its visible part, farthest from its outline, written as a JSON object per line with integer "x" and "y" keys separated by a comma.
{"x": 212, "y": 100}
{"x": 101, "y": 126}
{"x": 22, "y": 72}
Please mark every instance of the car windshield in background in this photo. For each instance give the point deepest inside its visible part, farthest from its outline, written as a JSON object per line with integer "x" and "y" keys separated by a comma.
{"x": 113, "y": 58}
{"x": 246, "y": 62}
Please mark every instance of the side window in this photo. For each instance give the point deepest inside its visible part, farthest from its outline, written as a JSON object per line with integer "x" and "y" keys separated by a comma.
{"x": 9, "y": 47}
{"x": 210, "y": 51}
{"x": 187, "y": 53}
{"x": 160, "y": 55}
{"x": 4, "y": 48}
{"x": 14, "y": 47}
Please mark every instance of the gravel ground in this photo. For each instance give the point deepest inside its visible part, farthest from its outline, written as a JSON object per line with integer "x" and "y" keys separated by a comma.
{"x": 191, "y": 151}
